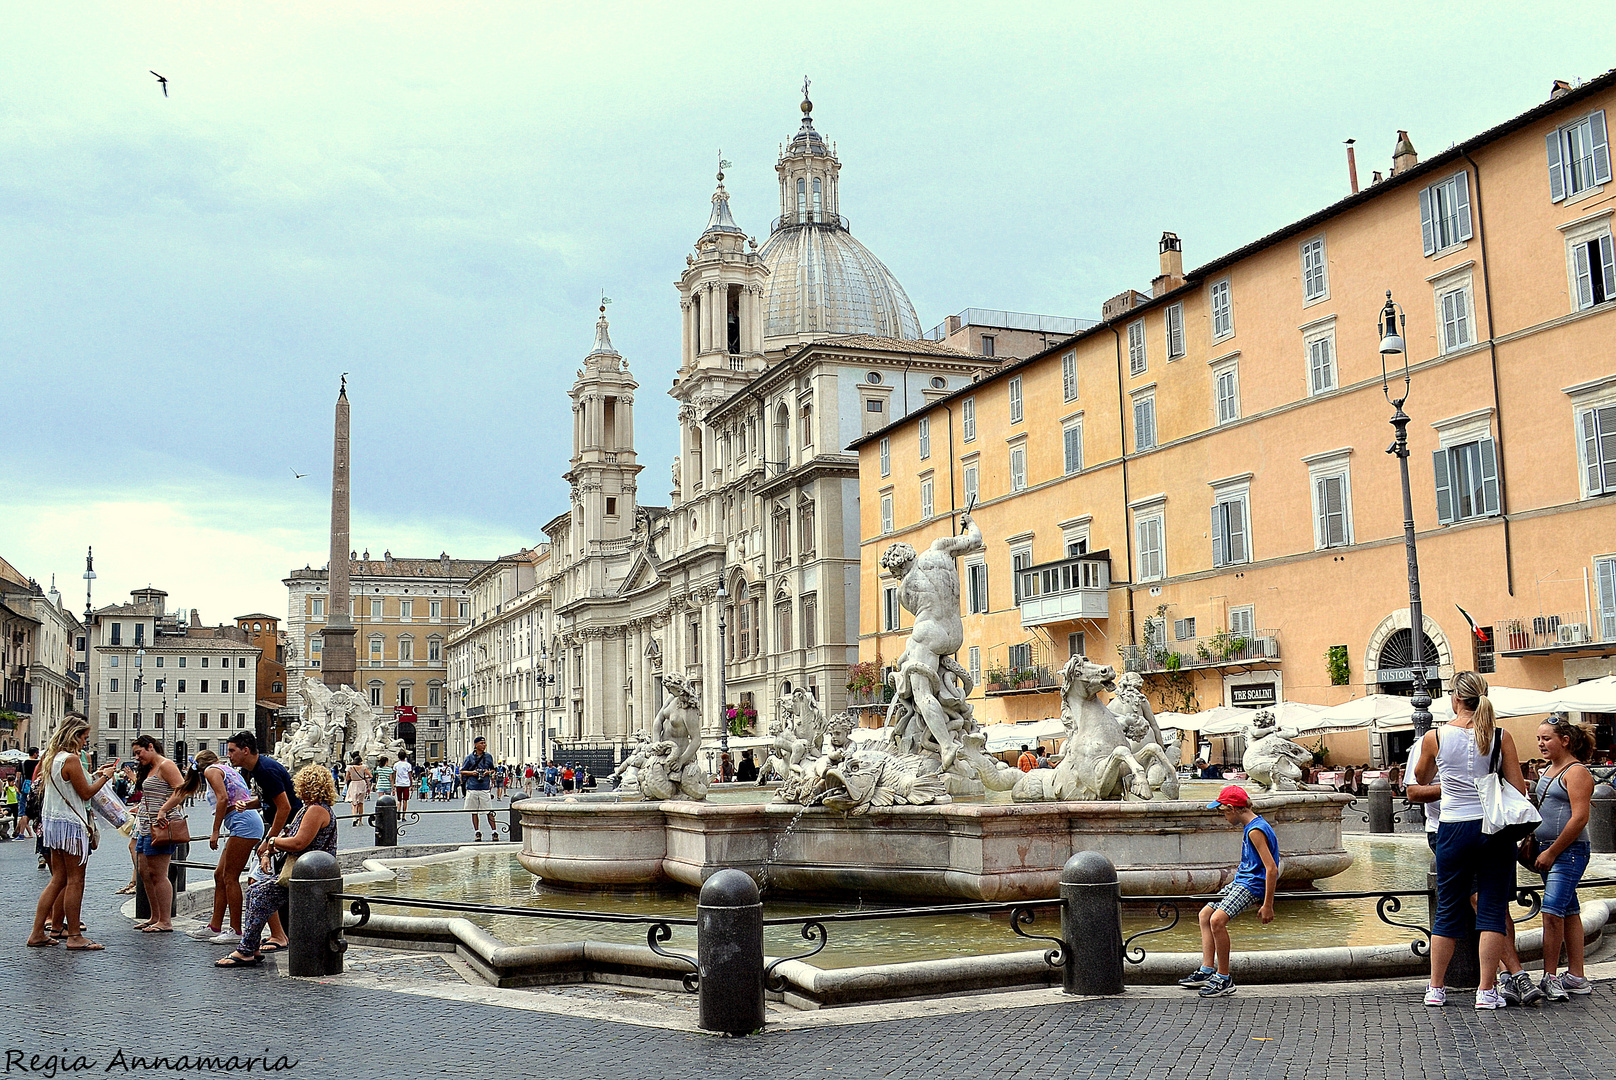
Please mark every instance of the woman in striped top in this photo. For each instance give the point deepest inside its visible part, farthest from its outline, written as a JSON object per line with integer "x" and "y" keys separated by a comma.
{"x": 157, "y": 777}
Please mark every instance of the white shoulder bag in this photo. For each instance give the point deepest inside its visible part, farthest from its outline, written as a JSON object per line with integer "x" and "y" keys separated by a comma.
{"x": 1504, "y": 810}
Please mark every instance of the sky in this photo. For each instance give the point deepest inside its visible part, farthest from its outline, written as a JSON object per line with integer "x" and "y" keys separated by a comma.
{"x": 433, "y": 197}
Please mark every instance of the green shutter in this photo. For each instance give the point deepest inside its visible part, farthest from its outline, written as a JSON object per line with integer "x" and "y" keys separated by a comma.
{"x": 1489, "y": 477}
{"x": 1444, "y": 487}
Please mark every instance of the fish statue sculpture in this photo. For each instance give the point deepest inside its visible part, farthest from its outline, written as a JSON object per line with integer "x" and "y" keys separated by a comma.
{"x": 873, "y": 779}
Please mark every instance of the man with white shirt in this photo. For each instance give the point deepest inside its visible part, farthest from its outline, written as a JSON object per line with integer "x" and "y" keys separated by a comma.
{"x": 403, "y": 773}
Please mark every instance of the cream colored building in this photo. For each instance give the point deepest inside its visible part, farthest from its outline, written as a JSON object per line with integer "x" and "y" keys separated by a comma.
{"x": 497, "y": 661}
{"x": 37, "y": 659}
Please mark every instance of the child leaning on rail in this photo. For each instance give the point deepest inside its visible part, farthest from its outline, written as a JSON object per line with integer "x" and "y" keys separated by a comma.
{"x": 1258, "y": 873}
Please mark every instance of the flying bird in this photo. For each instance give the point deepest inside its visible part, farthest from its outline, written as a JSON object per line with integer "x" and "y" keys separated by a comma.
{"x": 162, "y": 80}
{"x": 297, "y": 475}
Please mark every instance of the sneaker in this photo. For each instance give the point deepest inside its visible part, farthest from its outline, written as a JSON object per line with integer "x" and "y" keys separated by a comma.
{"x": 1489, "y": 999}
{"x": 1530, "y": 994}
{"x": 1575, "y": 984}
{"x": 225, "y": 937}
{"x": 1218, "y": 986}
{"x": 1436, "y": 996}
{"x": 1197, "y": 978}
{"x": 201, "y": 932}
{"x": 1507, "y": 989}
{"x": 1552, "y": 990}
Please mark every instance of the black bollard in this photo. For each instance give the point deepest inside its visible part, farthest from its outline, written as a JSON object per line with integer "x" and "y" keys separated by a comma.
{"x": 1602, "y": 819}
{"x": 1464, "y": 970}
{"x": 312, "y": 951}
{"x": 1380, "y": 806}
{"x": 386, "y": 818}
{"x": 729, "y": 954}
{"x": 1091, "y": 925}
{"x": 515, "y": 823}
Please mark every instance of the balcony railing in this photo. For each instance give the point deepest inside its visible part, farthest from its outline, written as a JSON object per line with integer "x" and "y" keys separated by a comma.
{"x": 21, "y": 708}
{"x": 1561, "y": 630}
{"x": 1065, "y": 590}
{"x": 1217, "y": 651}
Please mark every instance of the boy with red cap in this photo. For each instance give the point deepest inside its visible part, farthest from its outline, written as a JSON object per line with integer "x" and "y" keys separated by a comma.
{"x": 1258, "y": 873}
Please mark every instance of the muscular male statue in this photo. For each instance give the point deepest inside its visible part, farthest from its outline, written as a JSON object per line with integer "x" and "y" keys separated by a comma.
{"x": 929, "y": 587}
{"x": 679, "y": 721}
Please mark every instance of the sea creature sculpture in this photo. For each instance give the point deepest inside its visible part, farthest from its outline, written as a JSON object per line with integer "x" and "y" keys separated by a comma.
{"x": 873, "y": 779}
{"x": 1271, "y": 759}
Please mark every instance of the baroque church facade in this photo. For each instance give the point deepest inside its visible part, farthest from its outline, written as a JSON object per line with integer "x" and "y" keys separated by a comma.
{"x": 789, "y": 352}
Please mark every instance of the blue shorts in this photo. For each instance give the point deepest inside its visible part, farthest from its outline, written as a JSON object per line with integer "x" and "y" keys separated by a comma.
{"x": 1560, "y": 883}
{"x": 245, "y": 824}
{"x": 144, "y": 846}
{"x": 1469, "y": 861}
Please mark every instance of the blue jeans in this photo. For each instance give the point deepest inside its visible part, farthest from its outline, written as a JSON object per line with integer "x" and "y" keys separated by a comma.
{"x": 1560, "y": 883}
{"x": 1469, "y": 861}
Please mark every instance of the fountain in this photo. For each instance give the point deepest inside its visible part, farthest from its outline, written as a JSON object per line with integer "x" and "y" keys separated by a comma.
{"x": 903, "y": 816}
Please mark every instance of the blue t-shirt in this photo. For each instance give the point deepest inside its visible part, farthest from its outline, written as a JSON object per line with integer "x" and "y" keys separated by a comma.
{"x": 475, "y": 762}
{"x": 1252, "y": 873}
{"x": 271, "y": 778}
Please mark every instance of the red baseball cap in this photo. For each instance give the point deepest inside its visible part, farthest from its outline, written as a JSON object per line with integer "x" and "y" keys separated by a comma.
{"x": 1233, "y": 796}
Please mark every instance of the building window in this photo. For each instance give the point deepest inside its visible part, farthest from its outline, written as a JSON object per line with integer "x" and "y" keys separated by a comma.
{"x": 1015, "y": 400}
{"x": 406, "y": 650}
{"x": 1243, "y": 622}
{"x": 1598, "y": 429}
{"x": 276, "y": 687}
{"x": 1226, "y": 393}
{"x": 204, "y": 686}
{"x": 241, "y": 661}
{"x": 810, "y": 621}
{"x": 434, "y": 650}
{"x": 465, "y": 610}
{"x": 1593, "y": 269}
{"x": 1019, "y": 561}
{"x": 1148, "y": 538}
{"x": 889, "y": 607}
{"x": 886, "y": 514}
{"x": 1184, "y": 629}
{"x": 376, "y": 694}
{"x": 968, "y": 419}
{"x": 886, "y": 457}
{"x": 1321, "y": 362}
{"x": 970, "y": 484}
{"x": 317, "y": 607}
{"x": 1315, "y": 275}
{"x": 435, "y": 609}
{"x": 1174, "y": 326}
{"x": 1466, "y": 481}
{"x": 241, "y": 686}
{"x": 376, "y": 652}
{"x": 112, "y": 661}
{"x": 923, "y": 429}
{"x": 1579, "y": 156}
{"x": 925, "y": 500}
{"x": 1075, "y": 645}
{"x": 1230, "y": 544}
{"x": 316, "y": 646}
{"x": 1018, "y": 468}
{"x": 1605, "y": 573}
{"x": 406, "y": 608}
{"x": 182, "y": 686}
{"x": 375, "y": 609}
{"x": 112, "y": 719}
{"x": 434, "y": 696}
{"x": 117, "y": 633}
{"x": 1069, "y": 376}
{"x": 1019, "y": 656}
{"x": 1144, "y": 423}
{"x": 1332, "y": 518}
{"x": 113, "y": 688}
{"x": 1454, "y": 307}
{"x": 182, "y": 661}
{"x": 1222, "y": 311}
{"x": 406, "y": 694}
{"x": 976, "y": 588}
{"x": 1445, "y": 213}
{"x": 782, "y": 626}
{"x": 874, "y": 405}
{"x": 973, "y": 664}
{"x": 1136, "y": 348}
{"x": 1072, "y": 446}
{"x": 805, "y": 527}
{"x": 1481, "y": 641}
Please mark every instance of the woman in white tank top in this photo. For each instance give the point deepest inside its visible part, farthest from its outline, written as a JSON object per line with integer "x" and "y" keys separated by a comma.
{"x": 1468, "y": 861}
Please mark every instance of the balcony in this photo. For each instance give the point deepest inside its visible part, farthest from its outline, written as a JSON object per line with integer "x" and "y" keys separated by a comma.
{"x": 1223, "y": 650}
{"x": 476, "y": 711}
{"x": 1065, "y": 591}
{"x": 1562, "y": 632}
{"x": 21, "y": 708}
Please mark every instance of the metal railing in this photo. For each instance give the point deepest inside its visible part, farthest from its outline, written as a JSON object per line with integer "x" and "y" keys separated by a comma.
{"x": 1583, "y": 626}
{"x": 1219, "y": 650}
{"x": 413, "y": 817}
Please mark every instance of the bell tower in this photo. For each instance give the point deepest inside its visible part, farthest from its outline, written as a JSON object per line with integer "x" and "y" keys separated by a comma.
{"x": 721, "y": 295}
{"x": 603, "y": 462}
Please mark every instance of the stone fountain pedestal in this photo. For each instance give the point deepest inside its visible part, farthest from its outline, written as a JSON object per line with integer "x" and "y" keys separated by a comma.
{"x": 969, "y": 851}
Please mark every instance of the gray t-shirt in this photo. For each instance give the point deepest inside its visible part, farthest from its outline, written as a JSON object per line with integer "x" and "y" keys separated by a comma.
{"x": 1554, "y": 803}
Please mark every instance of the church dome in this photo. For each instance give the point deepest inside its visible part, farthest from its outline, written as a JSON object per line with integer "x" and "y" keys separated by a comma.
{"x": 821, "y": 280}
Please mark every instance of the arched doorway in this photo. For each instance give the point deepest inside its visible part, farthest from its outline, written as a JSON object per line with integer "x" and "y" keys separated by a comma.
{"x": 1396, "y": 668}
{"x": 1388, "y": 661}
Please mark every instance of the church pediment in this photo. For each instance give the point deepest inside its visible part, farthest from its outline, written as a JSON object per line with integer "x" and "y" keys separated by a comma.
{"x": 641, "y": 574}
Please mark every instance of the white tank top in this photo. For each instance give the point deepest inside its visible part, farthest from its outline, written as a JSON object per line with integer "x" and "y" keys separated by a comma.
{"x": 1458, "y": 766}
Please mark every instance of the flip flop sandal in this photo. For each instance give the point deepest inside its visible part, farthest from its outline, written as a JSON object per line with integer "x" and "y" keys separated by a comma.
{"x": 155, "y": 929}
{"x": 127, "y": 890}
{"x": 270, "y": 947}
{"x": 47, "y": 943}
{"x": 237, "y": 961}
{"x": 93, "y": 946}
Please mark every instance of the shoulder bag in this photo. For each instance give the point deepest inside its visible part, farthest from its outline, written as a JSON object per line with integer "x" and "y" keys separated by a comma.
{"x": 88, "y": 822}
{"x": 1505, "y": 811}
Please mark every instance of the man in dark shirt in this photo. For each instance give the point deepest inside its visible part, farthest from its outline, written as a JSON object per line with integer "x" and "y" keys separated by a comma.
{"x": 274, "y": 799}
{"x": 477, "y": 773}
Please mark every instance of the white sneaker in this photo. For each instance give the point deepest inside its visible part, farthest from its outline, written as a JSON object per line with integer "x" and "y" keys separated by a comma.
{"x": 1575, "y": 984}
{"x": 1489, "y": 999}
{"x": 1552, "y": 990}
{"x": 225, "y": 937}
{"x": 1436, "y": 996}
{"x": 201, "y": 932}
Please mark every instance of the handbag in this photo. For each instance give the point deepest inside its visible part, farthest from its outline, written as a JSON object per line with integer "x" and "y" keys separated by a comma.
{"x": 1505, "y": 812}
{"x": 172, "y": 831}
{"x": 283, "y": 867}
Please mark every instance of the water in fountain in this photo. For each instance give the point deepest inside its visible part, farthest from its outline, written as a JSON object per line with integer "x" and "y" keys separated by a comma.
{"x": 763, "y": 871}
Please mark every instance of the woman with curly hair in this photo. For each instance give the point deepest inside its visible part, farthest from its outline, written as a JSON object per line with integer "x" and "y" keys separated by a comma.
{"x": 313, "y": 829}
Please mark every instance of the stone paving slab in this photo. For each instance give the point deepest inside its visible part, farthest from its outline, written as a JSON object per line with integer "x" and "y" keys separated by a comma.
{"x": 417, "y": 1015}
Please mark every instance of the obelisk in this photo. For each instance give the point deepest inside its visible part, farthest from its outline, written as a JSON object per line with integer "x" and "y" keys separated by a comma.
{"x": 338, "y": 661}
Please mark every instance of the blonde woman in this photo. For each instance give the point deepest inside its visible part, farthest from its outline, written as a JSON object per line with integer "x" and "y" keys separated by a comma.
{"x": 64, "y": 827}
{"x": 1468, "y": 861}
{"x": 313, "y": 829}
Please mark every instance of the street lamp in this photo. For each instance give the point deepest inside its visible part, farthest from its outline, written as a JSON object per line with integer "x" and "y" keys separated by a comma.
{"x": 723, "y": 705}
{"x": 140, "y": 684}
{"x": 1393, "y": 323}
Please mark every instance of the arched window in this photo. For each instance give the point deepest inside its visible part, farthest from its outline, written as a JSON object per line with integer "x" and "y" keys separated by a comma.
{"x": 818, "y": 204}
{"x": 802, "y": 199}
{"x": 782, "y": 434}
{"x": 807, "y": 425}
{"x": 274, "y": 688}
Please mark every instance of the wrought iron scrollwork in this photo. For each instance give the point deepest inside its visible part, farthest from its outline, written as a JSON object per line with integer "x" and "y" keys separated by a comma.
{"x": 661, "y": 932}
{"x": 408, "y": 817}
{"x": 1389, "y": 905}
{"x": 811, "y": 931}
{"x": 1135, "y": 954}
{"x": 360, "y": 908}
{"x": 1020, "y": 917}
{"x": 1531, "y": 898}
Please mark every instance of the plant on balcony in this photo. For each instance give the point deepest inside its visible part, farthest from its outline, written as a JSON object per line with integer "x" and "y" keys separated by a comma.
{"x": 8, "y": 720}
{"x": 997, "y": 679}
{"x": 862, "y": 679}
{"x": 740, "y": 718}
{"x": 1335, "y": 659}
{"x": 1221, "y": 646}
{"x": 1026, "y": 679}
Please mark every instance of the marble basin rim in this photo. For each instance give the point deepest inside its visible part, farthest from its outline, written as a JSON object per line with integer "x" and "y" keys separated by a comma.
{"x": 960, "y": 850}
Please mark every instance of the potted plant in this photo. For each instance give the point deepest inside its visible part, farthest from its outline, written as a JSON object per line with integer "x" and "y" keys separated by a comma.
{"x": 740, "y": 718}
{"x": 862, "y": 679}
{"x": 1027, "y": 679}
{"x": 996, "y": 680}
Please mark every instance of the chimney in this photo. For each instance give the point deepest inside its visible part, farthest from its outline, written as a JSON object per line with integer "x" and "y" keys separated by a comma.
{"x": 1376, "y": 177}
{"x": 1404, "y": 156}
{"x": 1172, "y": 265}
{"x": 1560, "y": 89}
{"x": 1352, "y": 167}
{"x": 1122, "y": 303}
{"x": 952, "y": 324}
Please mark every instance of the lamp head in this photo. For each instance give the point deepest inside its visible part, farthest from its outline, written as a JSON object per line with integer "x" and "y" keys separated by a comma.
{"x": 1392, "y": 346}
{"x": 722, "y": 593}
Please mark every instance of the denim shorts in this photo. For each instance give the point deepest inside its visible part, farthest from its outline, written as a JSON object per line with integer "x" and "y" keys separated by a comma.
{"x": 245, "y": 824}
{"x": 1469, "y": 861}
{"x": 144, "y": 846}
{"x": 1560, "y": 883}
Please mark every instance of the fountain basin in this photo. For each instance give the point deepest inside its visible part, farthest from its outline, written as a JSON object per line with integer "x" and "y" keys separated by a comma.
{"x": 972, "y": 851}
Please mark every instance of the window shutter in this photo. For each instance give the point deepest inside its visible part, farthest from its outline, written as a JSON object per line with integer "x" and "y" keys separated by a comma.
{"x": 1556, "y": 168}
{"x": 1584, "y": 271}
{"x": 1590, "y": 451}
{"x": 1607, "y": 598}
{"x": 1332, "y": 512}
{"x": 1427, "y": 229}
{"x": 1607, "y": 259}
{"x": 1236, "y": 512}
{"x": 1489, "y": 476}
{"x": 1606, "y": 422}
{"x": 1596, "y": 121}
{"x": 1462, "y": 184}
{"x": 1073, "y": 443}
{"x": 1219, "y": 552}
{"x": 1444, "y": 487}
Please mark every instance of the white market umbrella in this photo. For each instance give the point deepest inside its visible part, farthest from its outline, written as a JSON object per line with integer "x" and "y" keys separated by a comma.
{"x": 1293, "y": 716}
{"x": 1507, "y": 701}
{"x": 1178, "y": 721}
{"x": 1596, "y": 695}
{"x": 13, "y": 755}
{"x": 1002, "y": 737}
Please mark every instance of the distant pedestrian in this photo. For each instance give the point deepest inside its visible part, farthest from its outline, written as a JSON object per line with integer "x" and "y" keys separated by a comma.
{"x": 1565, "y": 796}
{"x": 566, "y": 778}
{"x": 401, "y": 782}
{"x": 358, "y": 786}
{"x": 1043, "y": 758}
{"x": 748, "y": 771}
{"x": 384, "y": 776}
{"x": 1257, "y": 876}
{"x": 477, "y": 773}
{"x": 1028, "y": 761}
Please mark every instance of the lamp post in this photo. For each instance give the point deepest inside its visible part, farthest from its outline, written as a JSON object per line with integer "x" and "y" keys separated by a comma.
{"x": 545, "y": 679}
{"x": 1392, "y": 344}
{"x": 140, "y": 685}
{"x": 723, "y": 704}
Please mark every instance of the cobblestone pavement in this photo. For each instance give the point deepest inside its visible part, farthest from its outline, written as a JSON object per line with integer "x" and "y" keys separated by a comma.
{"x": 155, "y": 994}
